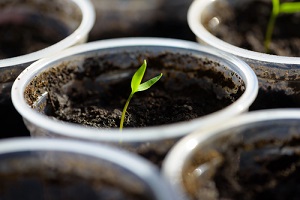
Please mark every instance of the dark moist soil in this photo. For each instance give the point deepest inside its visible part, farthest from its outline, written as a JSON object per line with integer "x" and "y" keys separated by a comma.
{"x": 174, "y": 98}
{"x": 156, "y": 106}
{"x": 245, "y": 26}
{"x": 31, "y": 33}
{"x": 269, "y": 99}
{"x": 265, "y": 170}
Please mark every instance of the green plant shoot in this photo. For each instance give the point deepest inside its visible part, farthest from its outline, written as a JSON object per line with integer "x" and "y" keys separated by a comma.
{"x": 278, "y": 8}
{"x": 136, "y": 86}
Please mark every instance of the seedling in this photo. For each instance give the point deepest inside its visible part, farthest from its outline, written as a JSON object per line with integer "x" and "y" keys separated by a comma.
{"x": 136, "y": 86}
{"x": 278, "y": 8}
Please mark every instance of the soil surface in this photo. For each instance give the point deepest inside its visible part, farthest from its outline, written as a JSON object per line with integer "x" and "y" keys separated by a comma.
{"x": 156, "y": 106}
{"x": 268, "y": 169}
{"x": 245, "y": 26}
{"x": 29, "y": 33}
{"x": 87, "y": 100}
{"x": 270, "y": 99}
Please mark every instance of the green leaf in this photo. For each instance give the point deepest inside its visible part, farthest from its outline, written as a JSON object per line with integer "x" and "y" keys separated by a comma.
{"x": 146, "y": 85}
{"x": 136, "y": 86}
{"x": 137, "y": 77}
{"x": 289, "y": 7}
{"x": 276, "y": 7}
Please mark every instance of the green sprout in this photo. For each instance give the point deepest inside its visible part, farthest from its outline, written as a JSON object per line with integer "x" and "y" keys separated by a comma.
{"x": 278, "y": 8}
{"x": 136, "y": 86}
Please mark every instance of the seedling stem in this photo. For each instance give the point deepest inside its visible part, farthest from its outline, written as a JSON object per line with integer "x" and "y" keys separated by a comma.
{"x": 136, "y": 86}
{"x": 278, "y": 8}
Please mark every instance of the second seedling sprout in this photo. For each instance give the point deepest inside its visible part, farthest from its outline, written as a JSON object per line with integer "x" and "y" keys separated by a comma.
{"x": 278, "y": 8}
{"x": 136, "y": 86}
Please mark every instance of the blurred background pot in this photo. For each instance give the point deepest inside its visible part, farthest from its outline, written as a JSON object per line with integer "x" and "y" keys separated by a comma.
{"x": 254, "y": 156}
{"x": 31, "y": 30}
{"x": 135, "y": 18}
{"x": 60, "y": 169}
{"x": 93, "y": 80}
{"x": 278, "y": 75}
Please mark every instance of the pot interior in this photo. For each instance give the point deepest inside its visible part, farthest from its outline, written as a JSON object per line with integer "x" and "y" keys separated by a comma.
{"x": 92, "y": 88}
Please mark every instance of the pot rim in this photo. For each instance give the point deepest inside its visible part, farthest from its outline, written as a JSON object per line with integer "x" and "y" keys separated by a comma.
{"x": 79, "y": 34}
{"x": 178, "y": 155}
{"x": 133, "y": 134}
{"x": 129, "y": 161}
{"x": 194, "y": 17}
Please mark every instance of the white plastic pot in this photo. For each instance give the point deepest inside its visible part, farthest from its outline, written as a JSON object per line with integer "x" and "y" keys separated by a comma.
{"x": 157, "y": 138}
{"x": 34, "y": 169}
{"x": 278, "y": 75}
{"x": 77, "y": 16}
{"x": 196, "y": 158}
